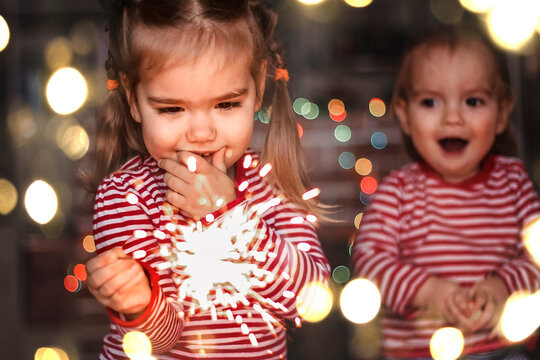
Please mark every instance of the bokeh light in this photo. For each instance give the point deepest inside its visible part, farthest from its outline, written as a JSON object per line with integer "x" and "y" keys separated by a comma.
{"x": 343, "y": 133}
{"x": 21, "y": 125}
{"x": 314, "y": 302}
{"x": 72, "y": 284}
{"x": 137, "y": 345}
{"x": 45, "y": 353}
{"x": 4, "y": 33}
{"x": 84, "y": 36}
{"x": 341, "y": 274}
{"x": 365, "y": 198}
{"x": 73, "y": 141}
{"x": 40, "y": 202}
{"x": 446, "y": 344}
{"x": 310, "y": 2}
{"x": 66, "y": 91}
{"x": 346, "y": 160}
{"x": 80, "y": 272}
{"x": 336, "y": 110}
{"x": 446, "y": 11}
{"x": 89, "y": 244}
{"x": 477, "y": 6}
{"x": 531, "y": 239}
{"x": 300, "y": 130}
{"x": 363, "y": 166}
{"x": 377, "y": 107}
{"x": 358, "y": 220}
{"x": 368, "y": 185}
{"x": 263, "y": 115}
{"x": 358, "y": 3}
{"x": 379, "y": 140}
{"x": 8, "y": 196}
{"x": 512, "y": 23}
{"x": 360, "y": 301}
{"x": 298, "y": 104}
{"x": 521, "y": 316}
{"x": 310, "y": 110}
{"x": 58, "y": 53}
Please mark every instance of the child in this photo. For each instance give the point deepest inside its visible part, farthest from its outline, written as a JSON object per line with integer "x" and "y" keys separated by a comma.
{"x": 186, "y": 78}
{"x": 441, "y": 237}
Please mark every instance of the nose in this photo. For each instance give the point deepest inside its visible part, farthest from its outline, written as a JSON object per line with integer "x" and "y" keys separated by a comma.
{"x": 452, "y": 116}
{"x": 201, "y": 129}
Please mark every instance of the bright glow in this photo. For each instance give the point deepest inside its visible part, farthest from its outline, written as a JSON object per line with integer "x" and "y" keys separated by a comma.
{"x": 377, "y": 107}
{"x": 247, "y": 161}
{"x": 265, "y": 170}
{"x": 66, "y": 91}
{"x": 80, "y": 272}
{"x": 89, "y": 244}
{"x": 360, "y": 301}
{"x": 40, "y": 202}
{"x": 303, "y": 246}
{"x": 300, "y": 130}
{"x": 310, "y": 2}
{"x": 311, "y": 218}
{"x": 521, "y": 316}
{"x": 314, "y": 302}
{"x": 139, "y": 254}
{"x": 58, "y": 53}
{"x": 346, "y": 160}
{"x": 477, "y": 6}
{"x": 74, "y": 142}
{"x": 379, "y": 140}
{"x": 132, "y": 198}
{"x": 358, "y": 220}
{"x": 4, "y": 33}
{"x": 446, "y": 344}
{"x": 243, "y": 186}
{"x": 71, "y": 283}
{"x": 310, "y": 110}
{"x": 136, "y": 345}
{"x": 531, "y": 239}
{"x": 50, "y": 354}
{"x": 310, "y": 194}
{"x": 298, "y": 104}
{"x": 447, "y": 12}
{"x": 341, "y": 274}
{"x": 368, "y": 185}
{"x": 512, "y": 23}
{"x": 336, "y": 107}
{"x": 363, "y": 166}
{"x": 358, "y": 3}
{"x": 8, "y": 196}
{"x": 342, "y": 133}
{"x": 192, "y": 164}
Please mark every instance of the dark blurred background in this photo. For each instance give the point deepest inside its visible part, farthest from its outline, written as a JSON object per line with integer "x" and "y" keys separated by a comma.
{"x": 340, "y": 57}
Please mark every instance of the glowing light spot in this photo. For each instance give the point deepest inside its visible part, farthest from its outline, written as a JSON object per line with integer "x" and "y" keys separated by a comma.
{"x": 132, "y": 198}
{"x": 265, "y": 170}
{"x": 171, "y": 227}
{"x": 285, "y": 275}
{"x": 358, "y": 3}
{"x": 50, "y": 354}
{"x": 160, "y": 235}
{"x": 71, "y": 283}
{"x": 243, "y": 185}
{"x": 300, "y": 130}
{"x": 209, "y": 218}
{"x": 192, "y": 164}
{"x": 83, "y": 37}
{"x": 8, "y": 196}
{"x": 512, "y": 23}
{"x": 89, "y": 244}
{"x": 446, "y": 344}
{"x": 167, "y": 209}
{"x": 477, "y": 6}
{"x": 264, "y": 115}
{"x": 80, "y": 272}
{"x": 358, "y": 220}
{"x": 314, "y": 302}
{"x": 139, "y": 254}
{"x": 379, "y": 140}
{"x": 58, "y": 53}
{"x": 311, "y": 218}
{"x": 336, "y": 108}
{"x": 377, "y": 107}
{"x": 363, "y": 166}
{"x": 368, "y": 185}
{"x": 531, "y": 239}
{"x": 220, "y": 202}
{"x": 365, "y": 198}
{"x": 4, "y": 33}
{"x": 343, "y": 133}
{"x": 297, "y": 220}
{"x": 139, "y": 234}
{"x": 244, "y": 328}
{"x": 311, "y": 194}
{"x": 341, "y": 274}
{"x": 136, "y": 345}
{"x": 74, "y": 142}
{"x": 338, "y": 118}
{"x": 298, "y": 104}
{"x": 303, "y": 246}
{"x": 310, "y": 2}
{"x": 298, "y": 322}
{"x": 360, "y": 301}
{"x": 247, "y": 161}
{"x": 520, "y": 316}
{"x": 253, "y": 340}
{"x": 289, "y": 294}
{"x": 22, "y": 125}
{"x": 238, "y": 319}
{"x": 447, "y": 12}
{"x": 66, "y": 91}
{"x": 346, "y": 160}
{"x": 310, "y": 110}
{"x": 40, "y": 202}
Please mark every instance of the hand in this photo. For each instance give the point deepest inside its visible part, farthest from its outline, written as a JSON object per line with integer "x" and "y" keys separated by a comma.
{"x": 488, "y": 297}
{"x": 201, "y": 192}
{"x": 119, "y": 282}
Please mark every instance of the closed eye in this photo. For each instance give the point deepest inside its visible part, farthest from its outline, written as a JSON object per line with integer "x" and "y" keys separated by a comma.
{"x": 228, "y": 105}
{"x": 170, "y": 110}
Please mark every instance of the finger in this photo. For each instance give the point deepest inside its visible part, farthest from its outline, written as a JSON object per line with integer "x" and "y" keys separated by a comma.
{"x": 461, "y": 303}
{"x": 176, "y": 168}
{"x": 121, "y": 276}
{"x": 175, "y": 199}
{"x": 104, "y": 259}
{"x": 194, "y": 163}
{"x": 175, "y": 183}
{"x": 97, "y": 278}
{"x": 480, "y": 299}
{"x": 218, "y": 159}
{"x": 487, "y": 316}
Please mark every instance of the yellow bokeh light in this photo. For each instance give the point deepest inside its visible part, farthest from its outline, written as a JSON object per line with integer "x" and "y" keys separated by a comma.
{"x": 66, "y": 91}
{"x": 360, "y": 301}
{"x": 137, "y": 345}
{"x": 310, "y": 2}
{"x": 358, "y": 220}
{"x": 336, "y": 107}
{"x": 512, "y": 23}
{"x": 40, "y": 202}
{"x": 358, "y": 3}
{"x": 46, "y": 354}
{"x": 531, "y": 239}
{"x": 377, "y": 107}
{"x": 88, "y": 244}
{"x": 521, "y": 316}
{"x": 21, "y": 125}
{"x": 314, "y": 302}
{"x": 446, "y": 344}
{"x": 477, "y": 6}
{"x": 58, "y": 53}
{"x": 363, "y": 166}
{"x": 8, "y": 196}
{"x": 4, "y": 33}
{"x": 74, "y": 142}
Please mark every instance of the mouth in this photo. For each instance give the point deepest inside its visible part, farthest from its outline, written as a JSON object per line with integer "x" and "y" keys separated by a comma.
{"x": 205, "y": 155}
{"x": 453, "y": 145}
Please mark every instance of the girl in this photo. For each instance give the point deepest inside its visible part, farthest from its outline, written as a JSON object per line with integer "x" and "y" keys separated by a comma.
{"x": 186, "y": 78}
{"x": 441, "y": 238}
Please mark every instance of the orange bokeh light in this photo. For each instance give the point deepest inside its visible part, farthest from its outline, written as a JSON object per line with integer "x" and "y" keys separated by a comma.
{"x": 71, "y": 283}
{"x": 368, "y": 185}
{"x": 80, "y": 272}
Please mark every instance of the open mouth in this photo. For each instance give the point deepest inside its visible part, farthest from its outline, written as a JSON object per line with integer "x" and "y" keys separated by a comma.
{"x": 453, "y": 145}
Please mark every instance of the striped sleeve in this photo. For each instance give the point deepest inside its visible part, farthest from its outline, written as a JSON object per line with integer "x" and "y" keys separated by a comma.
{"x": 376, "y": 250}
{"x": 115, "y": 221}
{"x": 521, "y": 273}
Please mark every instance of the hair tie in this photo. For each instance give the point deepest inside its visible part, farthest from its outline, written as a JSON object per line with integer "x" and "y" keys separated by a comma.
{"x": 282, "y": 74}
{"x": 112, "y": 84}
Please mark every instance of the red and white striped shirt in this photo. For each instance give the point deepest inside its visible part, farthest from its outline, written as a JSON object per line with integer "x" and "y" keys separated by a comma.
{"x": 418, "y": 225}
{"x": 174, "y": 332}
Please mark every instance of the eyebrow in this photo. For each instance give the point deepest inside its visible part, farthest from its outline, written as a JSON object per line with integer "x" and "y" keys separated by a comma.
{"x": 230, "y": 95}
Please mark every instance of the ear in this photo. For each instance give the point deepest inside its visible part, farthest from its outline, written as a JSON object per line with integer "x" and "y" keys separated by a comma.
{"x": 131, "y": 98}
{"x": 260, "y": 85}
{"x": 400, "y": 107}
{"x": 505, "y": 108}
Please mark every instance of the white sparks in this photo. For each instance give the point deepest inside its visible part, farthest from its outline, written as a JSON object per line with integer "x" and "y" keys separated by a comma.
{"x": 265, "y": 170}
{"x": 253, "y": 340}
{"x": 298, "y": 322}
{"x": 171, "y": 227}
{"x": 244, "y": 328}
{"x": 243, "y": 185}
{"x": 132, "y": 198}
{"x": 303, "y": 246}
{"x": 139, "y": 254}
{"x": 311, "y": 218}
{"x": 247, "y": 161}
{"x": 139, "y": 234}
{"x": 285, "y": 275}
{"x": 288, "y": 294}
{"x": 209, "y": 218}
{"x": 192, "y": 164}
{"x": 220, "y": 202}
{"x": 159, "y": 234}
{"x": 311, "y": 194}
{"x": 297, "y": 220}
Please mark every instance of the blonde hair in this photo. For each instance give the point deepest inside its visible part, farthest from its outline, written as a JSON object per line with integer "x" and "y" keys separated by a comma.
{"x": 147, "y": 35}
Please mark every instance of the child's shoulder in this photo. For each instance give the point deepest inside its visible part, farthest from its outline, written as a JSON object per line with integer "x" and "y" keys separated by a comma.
{"x": 409, "y": 173}
{"x": 507, "y": 163}
{"x": 135, "y": 172}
